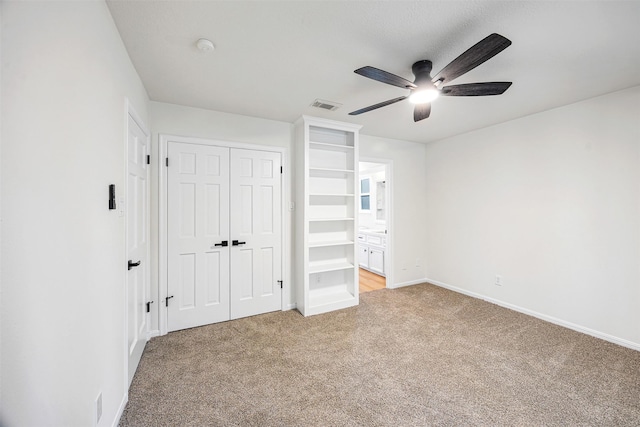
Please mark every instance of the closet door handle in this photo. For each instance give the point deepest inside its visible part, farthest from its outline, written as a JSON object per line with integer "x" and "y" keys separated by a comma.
{"x": 236, "y": 243}
{"x": 223, "y": 243}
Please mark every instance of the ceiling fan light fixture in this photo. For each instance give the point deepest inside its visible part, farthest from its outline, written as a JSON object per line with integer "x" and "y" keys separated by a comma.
{"x": 424, "y": 96}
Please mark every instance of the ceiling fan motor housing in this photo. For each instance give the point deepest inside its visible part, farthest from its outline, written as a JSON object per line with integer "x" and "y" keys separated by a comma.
{"x": 422, "y": 71}
{"x": 425, "y": 91}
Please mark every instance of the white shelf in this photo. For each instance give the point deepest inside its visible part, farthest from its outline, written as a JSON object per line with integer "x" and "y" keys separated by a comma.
{"x": 329, "y": 298}
{"x": 331, "y": 243}
{"x": 323, "y": 267}
{"x": 330, "y": 219}
{"x": 329, "y": 172}
{"x": 333, "y": 147}
{"x": 331, "y": 195}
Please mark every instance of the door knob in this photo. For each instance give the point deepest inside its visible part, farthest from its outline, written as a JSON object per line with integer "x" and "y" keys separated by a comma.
{"x": 236, "y": 243}
{"x": 223, "y": 243}
{"x": 132, "y": 264}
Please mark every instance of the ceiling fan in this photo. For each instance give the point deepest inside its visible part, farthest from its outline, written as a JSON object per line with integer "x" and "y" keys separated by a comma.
{"x": 425, "y": 88}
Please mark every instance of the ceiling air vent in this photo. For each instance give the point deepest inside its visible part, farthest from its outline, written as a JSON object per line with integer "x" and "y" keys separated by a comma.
{"x": 326, "y": 105}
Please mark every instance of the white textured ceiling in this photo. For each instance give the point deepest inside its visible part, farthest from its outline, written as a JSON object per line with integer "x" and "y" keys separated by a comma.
{"x": 273, "y": 58}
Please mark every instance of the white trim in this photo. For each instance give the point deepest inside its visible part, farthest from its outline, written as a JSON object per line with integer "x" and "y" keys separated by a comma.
{"x": 291, "y": 306}
{"x": 136, "y": 118}
{"x": 163, "y": 140}
{"x": 390, "y": 236}
{"x": 286, "y": 217}
{"x": 125, "y": 298}
{"x": 597, "y": 334}
{"x": 120, "y": 411}
{"x": 317, "y": 121}
{"x": 409, "y": 283}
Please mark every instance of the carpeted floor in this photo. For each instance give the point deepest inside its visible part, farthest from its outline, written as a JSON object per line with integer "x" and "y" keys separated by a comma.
{"x": 415, "y": 356}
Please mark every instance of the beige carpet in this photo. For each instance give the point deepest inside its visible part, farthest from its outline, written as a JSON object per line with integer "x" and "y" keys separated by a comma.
{"x": 416, "y": 356}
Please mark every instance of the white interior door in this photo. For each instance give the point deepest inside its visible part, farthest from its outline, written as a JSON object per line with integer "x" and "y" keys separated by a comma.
{"x": 198, "y": 226}
{"x": 137, "y": 238}
{"x": 256, "y": 261}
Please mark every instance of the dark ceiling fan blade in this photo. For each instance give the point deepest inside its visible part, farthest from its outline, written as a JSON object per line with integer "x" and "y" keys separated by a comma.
{"x": 373, "y": 107}
{"x": 480, "y": 52}
{"x": 385, "y": 77}
{"x": 421, "y": 111}
{"x": 476, "y": 89}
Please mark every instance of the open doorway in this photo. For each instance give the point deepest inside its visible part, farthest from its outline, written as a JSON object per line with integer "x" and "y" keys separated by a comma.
{"x": 374, "y": 237}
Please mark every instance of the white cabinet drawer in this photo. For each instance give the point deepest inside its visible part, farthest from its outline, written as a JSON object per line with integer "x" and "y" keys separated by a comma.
{"x": 375, "y": 240}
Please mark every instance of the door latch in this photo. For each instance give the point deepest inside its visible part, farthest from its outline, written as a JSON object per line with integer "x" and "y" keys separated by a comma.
{"x": 236, "y": 243}
{"x": 132, "y": 264}
{"x": 166, "y": 301}
{"x": 148, "y": 304}
{"x": 223, "y": 243}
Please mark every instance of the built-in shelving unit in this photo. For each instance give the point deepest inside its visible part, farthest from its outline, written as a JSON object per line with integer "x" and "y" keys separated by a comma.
{"x": 326, "y": 218}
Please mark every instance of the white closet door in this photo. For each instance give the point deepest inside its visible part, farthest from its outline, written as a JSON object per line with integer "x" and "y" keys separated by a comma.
{"x": 256, "y": 259}
{"x": 198, "y": 224}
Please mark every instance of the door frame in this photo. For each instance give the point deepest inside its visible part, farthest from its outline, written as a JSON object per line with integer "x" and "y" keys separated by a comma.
{"x": 123, "y": 211}
{"x": 163, "y": 267}
{"x": 388, "y": 260}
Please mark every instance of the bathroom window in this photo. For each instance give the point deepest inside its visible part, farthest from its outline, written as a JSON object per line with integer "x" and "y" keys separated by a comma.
{"x": 365, "y": 194}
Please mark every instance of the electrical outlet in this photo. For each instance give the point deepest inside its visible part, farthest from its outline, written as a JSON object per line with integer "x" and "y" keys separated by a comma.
{"x": 98, "y": 408}
{"x": 498, "y": 280}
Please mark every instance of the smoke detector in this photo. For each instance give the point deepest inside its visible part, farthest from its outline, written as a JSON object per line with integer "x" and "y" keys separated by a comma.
{"x": 205, "y": 45}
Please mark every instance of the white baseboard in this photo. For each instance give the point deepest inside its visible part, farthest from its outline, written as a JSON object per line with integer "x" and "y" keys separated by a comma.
{"x": 409, "y": 283}
{"x": 123, "y": 404}
{"x": 290, "y": 307}
{"x": 153, "y": 334}
{"x": 604, "y": 336}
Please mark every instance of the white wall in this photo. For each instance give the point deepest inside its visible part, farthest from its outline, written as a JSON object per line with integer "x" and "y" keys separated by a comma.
{"x": 408, "y": 187}
{"x": 65, "y": 76}
{"x": 552, "y": 203}
{"x": 195, "y": 122}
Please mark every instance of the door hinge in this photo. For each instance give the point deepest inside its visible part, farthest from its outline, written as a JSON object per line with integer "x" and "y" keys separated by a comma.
{"x": 280, "y": 169}
{"x": 166, "y": 161}
{"x": 166, "y": 301}
{"x": 148, "y": 159}
{"x": 280, "y": 281}
{"x": 131, "y": 264}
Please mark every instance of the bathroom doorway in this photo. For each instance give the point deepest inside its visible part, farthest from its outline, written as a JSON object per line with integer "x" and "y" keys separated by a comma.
{"x": 374, "y": 221}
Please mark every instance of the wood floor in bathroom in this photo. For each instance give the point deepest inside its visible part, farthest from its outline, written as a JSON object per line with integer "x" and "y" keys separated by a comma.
{"x": 371, "y": 282}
